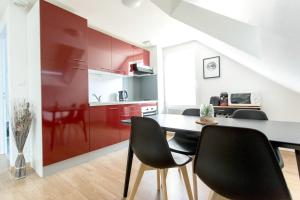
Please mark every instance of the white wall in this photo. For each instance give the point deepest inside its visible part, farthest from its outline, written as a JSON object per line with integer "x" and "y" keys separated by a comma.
{"x": 34, "y": 87}
{"x": 2, "y": 125}
{"x": 278, "y": 102}
{"x": 16, "y": 23}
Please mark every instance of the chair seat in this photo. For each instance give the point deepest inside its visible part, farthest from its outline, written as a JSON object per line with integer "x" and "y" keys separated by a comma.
{"x": 181, "y": 159}
{"x": 182, "y": 147}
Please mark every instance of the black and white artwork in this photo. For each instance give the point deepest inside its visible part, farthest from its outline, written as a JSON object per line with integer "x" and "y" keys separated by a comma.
{"x": 211, "y": 67}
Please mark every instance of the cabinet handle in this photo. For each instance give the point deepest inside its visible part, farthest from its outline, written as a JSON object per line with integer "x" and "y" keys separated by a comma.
{"x": 79, "y": 68}
{"x": 112, "y": 108}
{"x": 79, "y": 60}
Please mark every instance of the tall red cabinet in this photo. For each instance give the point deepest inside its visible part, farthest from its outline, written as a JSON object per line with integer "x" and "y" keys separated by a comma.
{"x": 64, "y": 77}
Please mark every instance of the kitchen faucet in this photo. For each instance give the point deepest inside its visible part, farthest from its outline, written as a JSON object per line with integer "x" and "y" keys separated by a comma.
{"x": 97, "y": 97}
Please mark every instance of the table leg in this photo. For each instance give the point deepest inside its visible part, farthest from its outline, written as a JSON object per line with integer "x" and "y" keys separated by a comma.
{"x": 297, "y": 152}
{"x": 128, "y": 171}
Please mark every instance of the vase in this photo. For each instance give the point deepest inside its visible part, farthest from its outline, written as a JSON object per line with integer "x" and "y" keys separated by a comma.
{"x": 20, "y": 166}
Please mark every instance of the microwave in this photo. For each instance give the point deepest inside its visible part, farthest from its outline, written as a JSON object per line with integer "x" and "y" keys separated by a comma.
{"x": 244, "y": 99}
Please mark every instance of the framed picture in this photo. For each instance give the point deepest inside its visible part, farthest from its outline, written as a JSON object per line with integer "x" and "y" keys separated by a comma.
{"x": 211, "y": 67}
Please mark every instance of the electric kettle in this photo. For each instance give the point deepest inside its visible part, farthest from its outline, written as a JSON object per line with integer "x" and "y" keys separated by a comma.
{"x": 123, "y": 95}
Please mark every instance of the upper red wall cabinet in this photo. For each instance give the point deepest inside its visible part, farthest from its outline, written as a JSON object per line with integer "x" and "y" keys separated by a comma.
{"x": 122, "y": 55}
{"x": 141, "y": 55}
{"x": 99, "y": 50}
{"x": 63, "y": 34}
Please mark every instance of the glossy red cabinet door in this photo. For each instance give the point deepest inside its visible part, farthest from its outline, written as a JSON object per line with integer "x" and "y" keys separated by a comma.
{"x": 63, "y": 34}
{"x": 64, "y": 77}
{"x": 99, "y": 50}
{"x": 146, "y": 57}
{"x": 65, "y": 116}
{"x": 126, "y": 112}
{"x": 122, "y": 53}
{"x": 104, "y": 130}
{"x": 141, "y": 55}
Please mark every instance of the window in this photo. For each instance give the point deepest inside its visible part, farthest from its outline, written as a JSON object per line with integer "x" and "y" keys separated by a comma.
{"x": 179, "y": 75}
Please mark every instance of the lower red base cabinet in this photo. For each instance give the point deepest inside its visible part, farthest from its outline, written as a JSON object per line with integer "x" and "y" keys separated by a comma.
{"x": 104, "y": 129}
{"x": 126, "y": 112}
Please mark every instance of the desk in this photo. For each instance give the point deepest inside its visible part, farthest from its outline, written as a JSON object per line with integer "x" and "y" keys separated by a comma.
{"x": 280, "y": 134}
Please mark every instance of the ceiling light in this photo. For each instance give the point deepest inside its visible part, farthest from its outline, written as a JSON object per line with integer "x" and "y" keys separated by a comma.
{"x": 132, "y": 3}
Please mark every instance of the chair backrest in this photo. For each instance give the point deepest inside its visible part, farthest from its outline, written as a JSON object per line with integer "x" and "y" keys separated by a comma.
{"x": 149, "y": 143}
{"x": 239, "y": 163}
{"x": 191, "y": 112}
{"x": 249, "y": 114}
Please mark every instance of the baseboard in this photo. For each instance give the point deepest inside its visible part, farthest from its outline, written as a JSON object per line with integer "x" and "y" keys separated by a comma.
{"x": 78, "y": 160}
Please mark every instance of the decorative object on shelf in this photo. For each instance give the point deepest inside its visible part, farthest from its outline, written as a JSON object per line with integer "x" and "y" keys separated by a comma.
{"x": 214, "y": 100}
{"x": 224, "y": 99}
{"x": 21, "y": 122}
{"x": 207, "y": 115}
{"x": 211, "y": 67}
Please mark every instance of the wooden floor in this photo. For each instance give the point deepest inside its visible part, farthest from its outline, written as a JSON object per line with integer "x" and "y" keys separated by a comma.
{"x": 102, "y": 179}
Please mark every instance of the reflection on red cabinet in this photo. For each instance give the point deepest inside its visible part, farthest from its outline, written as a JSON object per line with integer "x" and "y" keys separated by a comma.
{"x": 65, "y": 116}
{"x": 122, "y": 53}
{"x": 63, "y": 34}
{"x": 104, "y": 130}
{"x": 141, "y": 55}
{"x": 146, "y": 57}
{"x": 99, "y": 50}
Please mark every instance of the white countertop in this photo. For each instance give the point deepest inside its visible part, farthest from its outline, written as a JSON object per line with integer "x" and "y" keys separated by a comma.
{"x": 120, "y": 103}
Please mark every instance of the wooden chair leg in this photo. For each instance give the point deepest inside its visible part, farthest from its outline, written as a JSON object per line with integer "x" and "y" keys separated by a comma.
{"x": 137, "y": 181}
{"x": 164, "y": 184}
{"x": 195, "y": 185}
{"x": 187, "y": 182}
{"x": 215, "y": 196}
{"x": 167, "y": 170}
{"x": 158, "y": 179}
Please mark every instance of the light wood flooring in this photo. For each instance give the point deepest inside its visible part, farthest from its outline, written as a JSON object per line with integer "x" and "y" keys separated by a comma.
{"x": 102, "y": 179}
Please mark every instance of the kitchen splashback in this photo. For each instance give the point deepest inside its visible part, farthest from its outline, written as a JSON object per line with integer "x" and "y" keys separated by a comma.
{"x": 106, "y": 85}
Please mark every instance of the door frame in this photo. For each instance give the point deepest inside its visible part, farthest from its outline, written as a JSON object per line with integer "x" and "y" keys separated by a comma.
{"x": 4, "y": 110}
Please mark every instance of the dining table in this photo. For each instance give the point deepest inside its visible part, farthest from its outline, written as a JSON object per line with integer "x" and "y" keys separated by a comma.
{"x": 280, "y": 133}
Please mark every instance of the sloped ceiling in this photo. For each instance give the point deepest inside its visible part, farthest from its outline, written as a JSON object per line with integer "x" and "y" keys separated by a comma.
{"x": 262, "y": 35}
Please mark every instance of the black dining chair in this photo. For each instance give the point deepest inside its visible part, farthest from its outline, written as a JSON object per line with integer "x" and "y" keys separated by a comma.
{"x": 257, "y": 115}
{"x": 149, "y": 144}
{"x": 225, "y": 162}
{"x": 185, "y": 142}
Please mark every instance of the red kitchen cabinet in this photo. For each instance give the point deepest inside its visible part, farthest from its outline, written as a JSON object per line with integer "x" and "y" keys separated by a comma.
{"x": 63, "y": 34}
{"x": 65, "y": 116}
{"x": 146, "y": 57}
{"x": 99, "y": 50}
{"x": 122, "y": 55}
{"x": 126, "y": 112}
{"x": 64, "y": 78}
{"x": 141, "y": 55}
{"x": 104, "y": 129}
